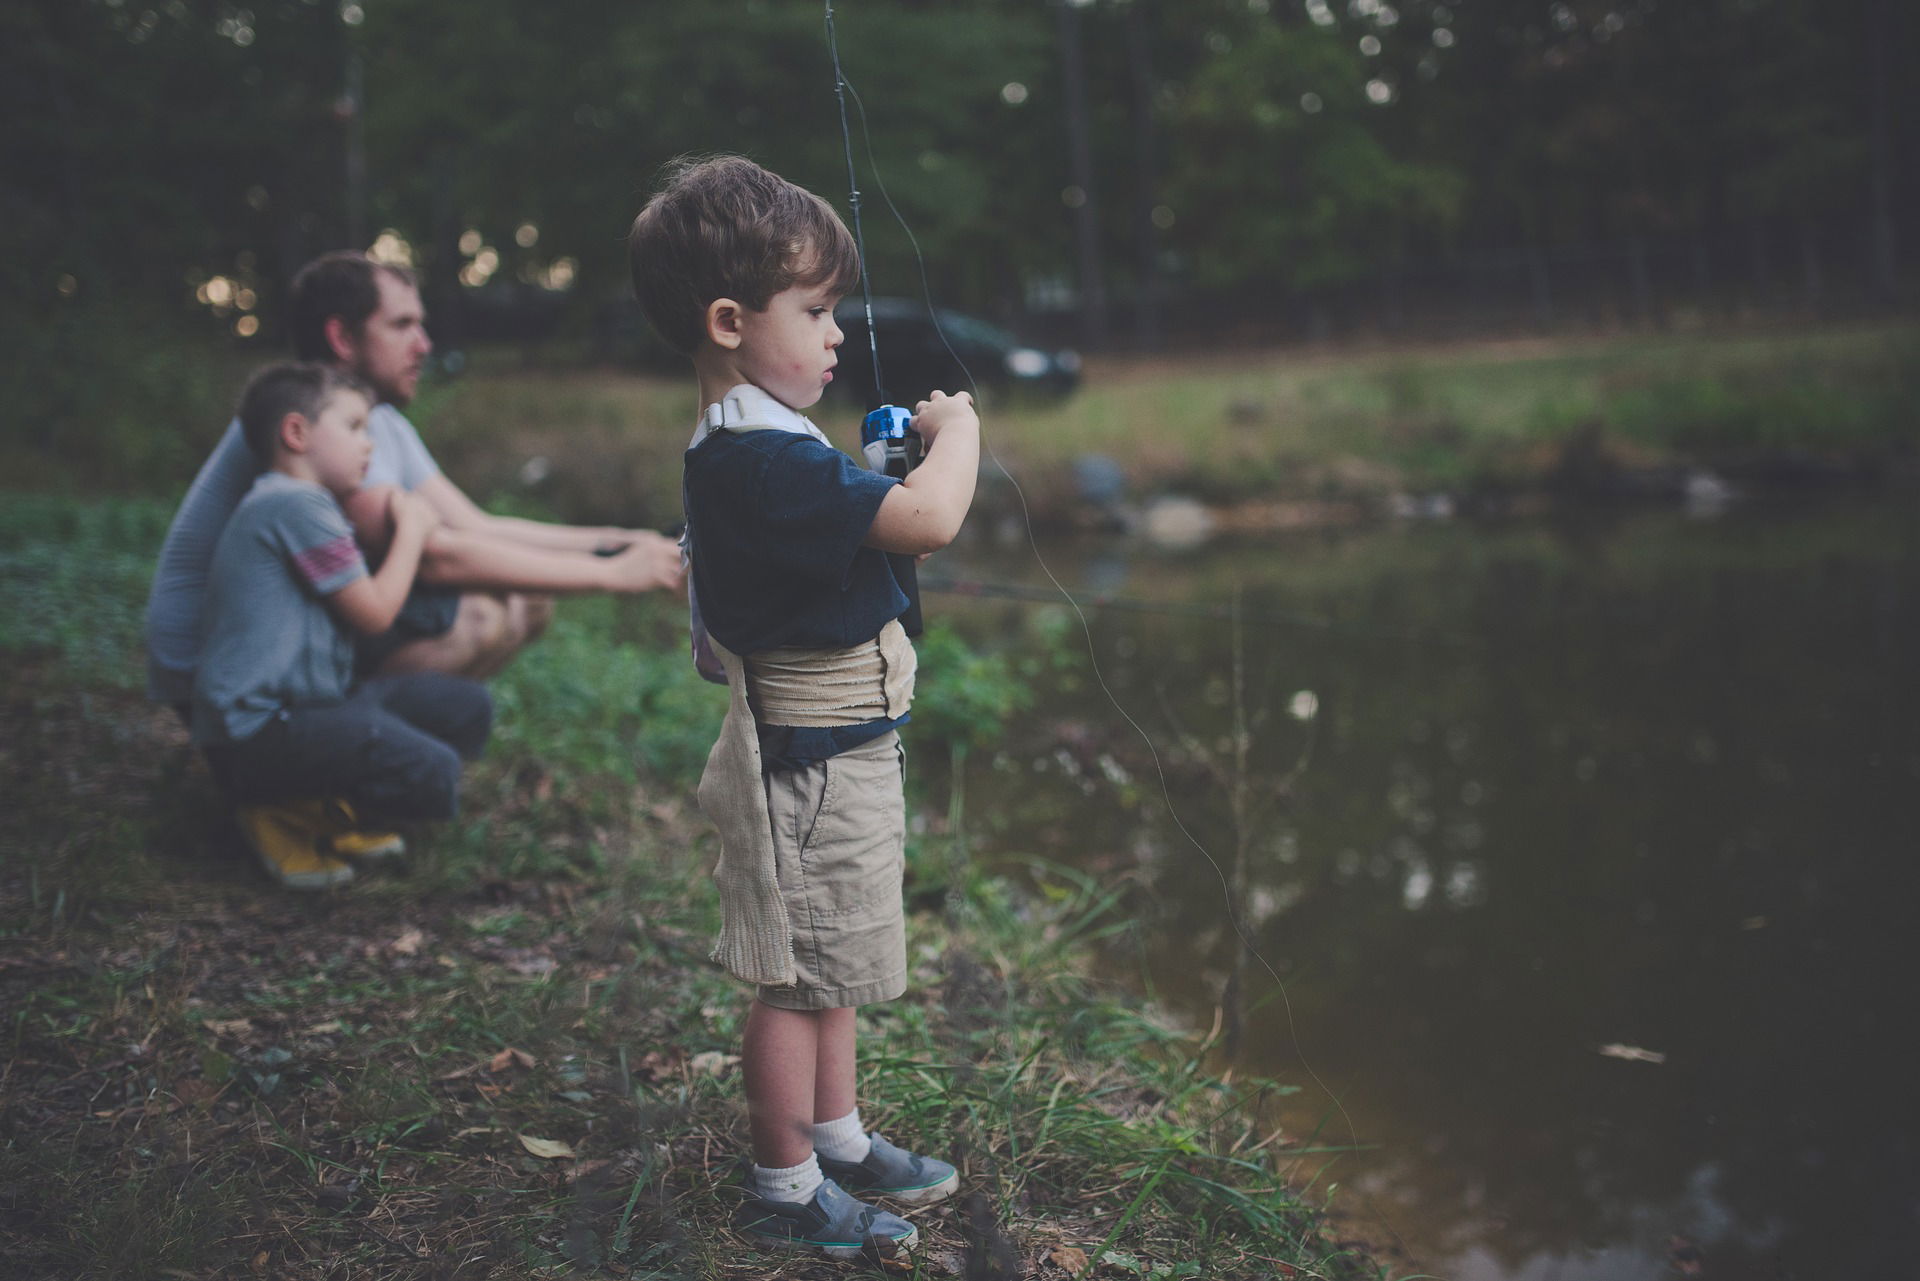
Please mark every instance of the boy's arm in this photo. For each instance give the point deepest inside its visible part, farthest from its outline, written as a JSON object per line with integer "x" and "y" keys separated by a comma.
{"x": 923, "y": 512}
{"x": 369, "y": 605}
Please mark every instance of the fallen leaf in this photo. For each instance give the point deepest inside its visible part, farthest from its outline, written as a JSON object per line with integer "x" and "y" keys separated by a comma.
{"x": 1071, "y": 1259}
{"x": 531, "y": 964}
{"x": 658, "y": 1065}
{"x": 507, "y": 1058}
{"x": 323, "y": 1029}
{"x": 1632, "y": 1053}
{"x": 228, "y": 1027}
{"x": 547, "y": 1149}
{"x": 585, "y": 1168}
{"x": 408, "y": 944}
{"x": 712, "y": 1062}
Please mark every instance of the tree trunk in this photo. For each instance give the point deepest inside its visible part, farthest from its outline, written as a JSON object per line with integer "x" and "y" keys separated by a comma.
{"x": 1086, "y": 215}
{"x": 1146, "y": 313}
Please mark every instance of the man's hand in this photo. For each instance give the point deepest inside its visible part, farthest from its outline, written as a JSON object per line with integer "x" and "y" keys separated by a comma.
{"x": 651, "y": 561}
{"x": 408, "y": 511}
{"x": 940, "y": 411}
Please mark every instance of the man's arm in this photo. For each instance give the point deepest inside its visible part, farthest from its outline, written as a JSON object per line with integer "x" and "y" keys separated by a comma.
{"x": 483, "y": 559}
{"x": 480, "y": 559}
{"x": 457, "y": 511}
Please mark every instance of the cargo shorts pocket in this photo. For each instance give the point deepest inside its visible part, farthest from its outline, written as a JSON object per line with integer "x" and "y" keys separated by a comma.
{"x": 852, "y": 861}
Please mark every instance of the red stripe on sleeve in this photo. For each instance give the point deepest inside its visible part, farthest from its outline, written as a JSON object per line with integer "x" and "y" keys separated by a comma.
{"x": 320, "y": 563}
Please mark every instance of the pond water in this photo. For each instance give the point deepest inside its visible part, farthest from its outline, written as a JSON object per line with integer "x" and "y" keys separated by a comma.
{"x": 1591, "y": 882}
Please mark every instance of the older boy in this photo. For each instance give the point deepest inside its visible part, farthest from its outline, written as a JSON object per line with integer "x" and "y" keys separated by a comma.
{"x": 274, "y": 706}
{"x": 740, "y": 270}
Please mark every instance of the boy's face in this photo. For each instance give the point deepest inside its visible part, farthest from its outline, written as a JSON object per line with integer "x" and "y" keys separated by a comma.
{"x": 787, "y": 350}
{"x": 338, "y": 447}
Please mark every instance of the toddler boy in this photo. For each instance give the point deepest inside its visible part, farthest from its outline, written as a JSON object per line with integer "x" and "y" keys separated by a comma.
{"x": 740, "y": 269}
{"x": 274, "y": 705}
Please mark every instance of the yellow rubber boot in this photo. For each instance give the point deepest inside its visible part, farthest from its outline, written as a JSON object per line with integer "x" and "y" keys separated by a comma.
{"x": 287, "y": 838}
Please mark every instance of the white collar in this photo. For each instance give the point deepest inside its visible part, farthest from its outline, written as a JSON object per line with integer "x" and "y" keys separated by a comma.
{"x": 747, "y": 408}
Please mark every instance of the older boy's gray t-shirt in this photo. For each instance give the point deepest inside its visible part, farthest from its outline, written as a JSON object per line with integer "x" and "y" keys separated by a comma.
{"x": 180, "y": 577}
{"x": 268, "y": 639}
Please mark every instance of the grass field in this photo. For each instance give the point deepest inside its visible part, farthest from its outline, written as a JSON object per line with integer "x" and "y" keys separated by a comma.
{"x": 1354, "y": 425}
{"x": 512, "y": 1059}
{"x": 1290, "y": 425}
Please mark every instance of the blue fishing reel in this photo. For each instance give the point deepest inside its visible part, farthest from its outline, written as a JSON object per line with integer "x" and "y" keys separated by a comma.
{"x": 891, "y": 445}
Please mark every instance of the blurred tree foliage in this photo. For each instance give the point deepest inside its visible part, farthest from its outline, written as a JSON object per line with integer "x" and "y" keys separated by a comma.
{"x": 1257, "y": 149}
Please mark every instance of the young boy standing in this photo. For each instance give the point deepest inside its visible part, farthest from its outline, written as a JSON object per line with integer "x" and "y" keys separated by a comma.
{"x": 740, "y": 270}
{"x": 274, "y": 705}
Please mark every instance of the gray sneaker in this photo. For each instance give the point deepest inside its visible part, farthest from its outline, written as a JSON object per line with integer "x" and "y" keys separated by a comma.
{"x": 888, "y": 1171}
{"x": 833, "y": 1223}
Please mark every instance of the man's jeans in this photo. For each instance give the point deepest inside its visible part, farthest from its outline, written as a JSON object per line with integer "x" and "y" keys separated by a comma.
{"x": 392, "y": 749}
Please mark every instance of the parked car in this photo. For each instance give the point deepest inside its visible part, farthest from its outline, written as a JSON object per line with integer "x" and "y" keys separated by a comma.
{"x": 915, "y": 358}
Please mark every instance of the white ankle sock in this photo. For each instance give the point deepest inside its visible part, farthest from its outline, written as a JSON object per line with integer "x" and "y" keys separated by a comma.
{"x": 842, "y": 1140}
{"x": 796, "y": 1183}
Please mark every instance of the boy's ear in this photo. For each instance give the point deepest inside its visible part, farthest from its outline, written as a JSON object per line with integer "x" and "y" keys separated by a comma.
{"x": 292, "y": 436}
{"x": 341, "y": 340}
{"x": 723, "y": 322}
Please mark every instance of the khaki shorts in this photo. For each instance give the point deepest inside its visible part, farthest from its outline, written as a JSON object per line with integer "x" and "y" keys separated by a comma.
{"x": 839, "y": 842}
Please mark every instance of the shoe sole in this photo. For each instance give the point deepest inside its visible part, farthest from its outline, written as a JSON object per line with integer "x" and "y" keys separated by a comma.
{"x": 389, "y": 849}
{"x": 912, "y": 1196}
{"x": 918, "y": 1196}
{"x": 831, "y": 1249}
{"x": 325, "y": 880}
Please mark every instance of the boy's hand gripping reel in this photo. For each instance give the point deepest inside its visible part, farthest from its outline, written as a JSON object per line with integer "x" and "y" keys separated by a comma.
{"x": 893, "y": 448}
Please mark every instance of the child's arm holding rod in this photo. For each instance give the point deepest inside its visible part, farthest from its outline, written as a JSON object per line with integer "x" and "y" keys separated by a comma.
{"x": 924, "y": 512}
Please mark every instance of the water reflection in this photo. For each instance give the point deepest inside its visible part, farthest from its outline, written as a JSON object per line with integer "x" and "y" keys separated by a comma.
{"x": 1641, "y": 786}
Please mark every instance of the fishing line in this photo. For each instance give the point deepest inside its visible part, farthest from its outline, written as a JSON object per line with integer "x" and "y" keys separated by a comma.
{"x": 843, "y": 86}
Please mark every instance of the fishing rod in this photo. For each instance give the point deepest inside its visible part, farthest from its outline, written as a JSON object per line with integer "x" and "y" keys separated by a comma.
{"x": 887, "y": 438}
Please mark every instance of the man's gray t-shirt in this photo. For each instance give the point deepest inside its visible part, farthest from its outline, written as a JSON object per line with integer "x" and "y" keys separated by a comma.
{"x": 268, "y": 640}
{"x": 180, "y": 579}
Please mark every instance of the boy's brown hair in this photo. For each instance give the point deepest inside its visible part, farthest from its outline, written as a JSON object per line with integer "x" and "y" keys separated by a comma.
{"x": 303, "y": 387}
{"x": 724, "y": 227}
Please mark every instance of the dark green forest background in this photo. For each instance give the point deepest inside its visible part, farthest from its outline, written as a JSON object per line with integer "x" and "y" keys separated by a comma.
{"x": 1116, "y": 173}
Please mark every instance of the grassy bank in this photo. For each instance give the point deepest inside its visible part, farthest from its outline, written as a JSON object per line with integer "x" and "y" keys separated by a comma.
{"x": 1576, "y": 416}
{"x": 513, "y": 1059}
